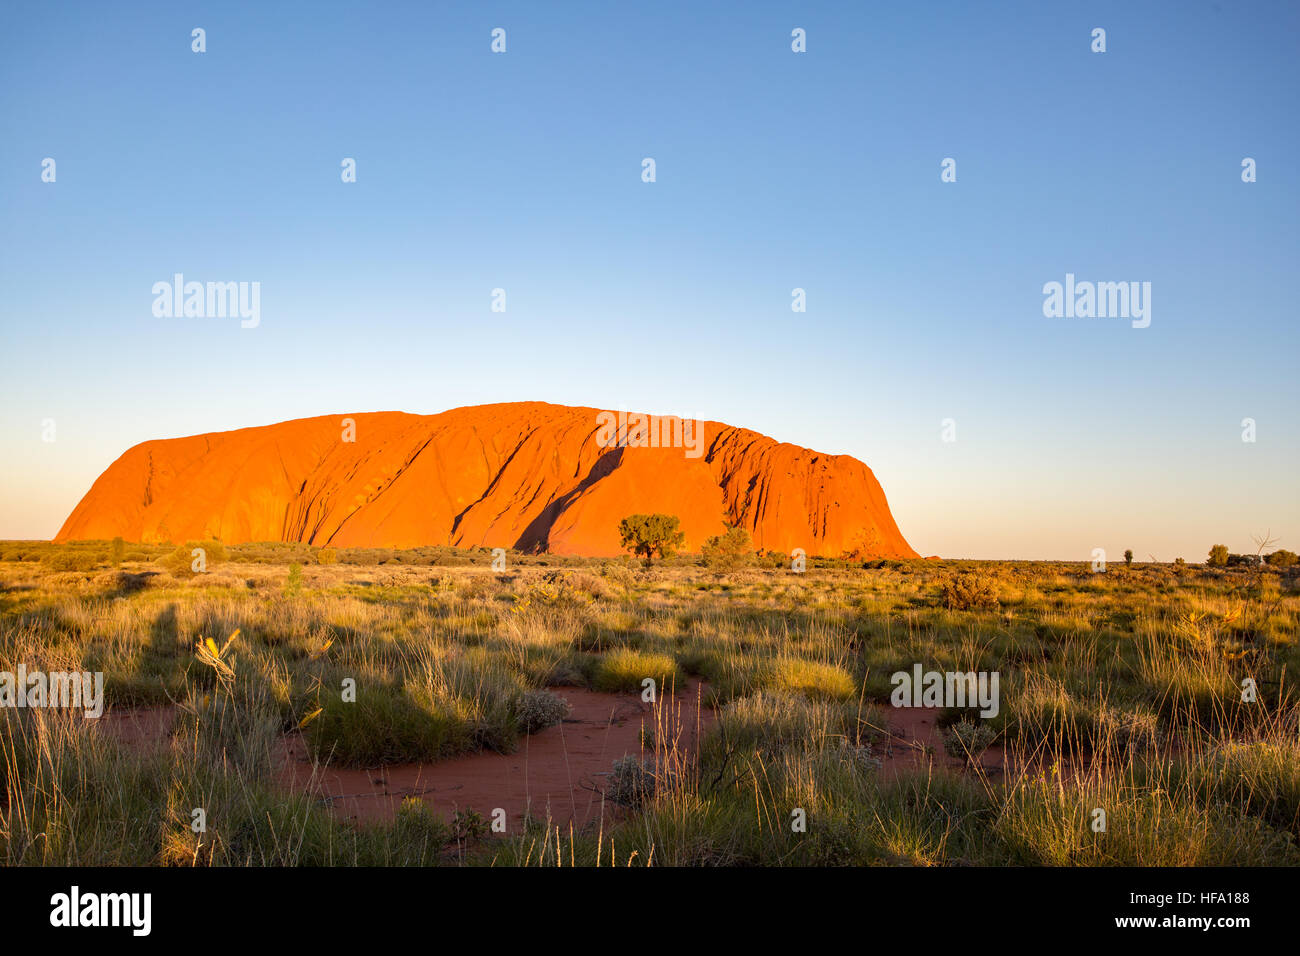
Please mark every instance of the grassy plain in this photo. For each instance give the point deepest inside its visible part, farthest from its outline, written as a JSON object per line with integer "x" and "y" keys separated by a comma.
{"x": 1120, "y": 691}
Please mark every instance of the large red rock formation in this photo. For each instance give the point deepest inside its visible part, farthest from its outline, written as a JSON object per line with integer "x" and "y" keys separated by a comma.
{"x": 524, "y": 475}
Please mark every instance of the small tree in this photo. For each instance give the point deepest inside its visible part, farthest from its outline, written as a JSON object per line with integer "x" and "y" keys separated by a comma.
{"x": 729, "y": 550}
{"x": 1218, "y": 556}
{"x": 648, "y": 536}
{"x": 117, "y": 553}
{"x": 1128, "y": 555}
{"x": 1282, "y": 559}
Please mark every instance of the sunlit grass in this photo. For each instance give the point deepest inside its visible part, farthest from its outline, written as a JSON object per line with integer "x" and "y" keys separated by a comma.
{"x": 1120, "y": 692}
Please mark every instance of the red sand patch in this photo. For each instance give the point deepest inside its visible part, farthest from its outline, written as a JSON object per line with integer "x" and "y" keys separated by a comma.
{"x": 560, "y": 770}
{"x": 142, "y": 727}
{"x": 915, "y": 740}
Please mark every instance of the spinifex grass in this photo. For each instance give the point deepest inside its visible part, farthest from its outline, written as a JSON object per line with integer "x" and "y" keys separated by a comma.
{"x": 1120, "y": 692}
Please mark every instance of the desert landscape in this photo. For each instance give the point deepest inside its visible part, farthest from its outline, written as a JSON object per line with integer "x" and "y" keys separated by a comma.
{"x": 837, "y": 457}
{"x": 701, "y": 698}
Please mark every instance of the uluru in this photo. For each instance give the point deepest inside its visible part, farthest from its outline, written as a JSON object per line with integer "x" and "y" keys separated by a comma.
{"x": 524, "y": 475}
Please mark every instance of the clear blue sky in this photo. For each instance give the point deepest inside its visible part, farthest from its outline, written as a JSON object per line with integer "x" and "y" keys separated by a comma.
{"x": 775, "y": 170}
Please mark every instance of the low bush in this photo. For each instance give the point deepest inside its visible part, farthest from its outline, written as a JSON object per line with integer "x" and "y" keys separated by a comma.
{"x": 968, "y": 739}
{"x": 539, "y": 709}
{"x": 726, "y": 552}
{"x": 69, "y": 560}
{"x": 969, "y": 592}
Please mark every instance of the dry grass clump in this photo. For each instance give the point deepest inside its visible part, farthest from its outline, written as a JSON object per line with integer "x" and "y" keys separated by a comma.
{"x": 811, "y": 679}
{"x": 626, "y": 670}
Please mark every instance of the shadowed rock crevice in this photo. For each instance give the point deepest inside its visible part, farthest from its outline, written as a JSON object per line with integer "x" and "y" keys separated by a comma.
{"x": 536, "y": 536}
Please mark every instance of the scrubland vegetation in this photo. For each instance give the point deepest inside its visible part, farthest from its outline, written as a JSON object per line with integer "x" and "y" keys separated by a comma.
{"x": 1120, "y": 691}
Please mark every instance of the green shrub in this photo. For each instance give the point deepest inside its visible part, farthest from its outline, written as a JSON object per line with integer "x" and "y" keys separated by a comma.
{"x": 1218, "y": 556}
{"x": 539, "y": 709}
{"x": 968, "y": 739}
{"x": 969, "y": 592}
{"x": 419, "y": 826}
{"x": 183, "y": 559}
{"x": 730, "y": 550}
{"x": 70, "y": 560}
{"x": 468, "y": 824}
{"x": 630, "y": 783}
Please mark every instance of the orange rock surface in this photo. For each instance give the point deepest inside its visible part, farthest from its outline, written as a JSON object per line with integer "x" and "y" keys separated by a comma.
{"x": 525, "y": 475}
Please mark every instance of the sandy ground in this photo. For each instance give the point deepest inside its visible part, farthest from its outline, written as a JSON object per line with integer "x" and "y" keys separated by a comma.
{"x": 144, "y": 727}
{"x": 560, "y": 770}
{"x": 915, "y": 741}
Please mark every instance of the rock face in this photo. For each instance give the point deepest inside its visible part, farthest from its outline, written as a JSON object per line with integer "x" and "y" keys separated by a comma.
{"x": 525, "y": 475}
